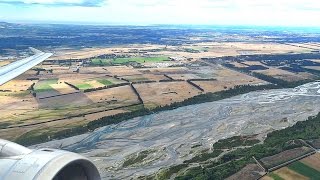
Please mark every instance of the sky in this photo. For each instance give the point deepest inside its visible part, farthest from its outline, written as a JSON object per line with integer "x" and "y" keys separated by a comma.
{"x": 297, "y": 13}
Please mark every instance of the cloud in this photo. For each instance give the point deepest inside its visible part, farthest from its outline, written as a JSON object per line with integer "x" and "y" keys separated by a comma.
{"x": 83, "y": 3}
{"x": 225, "y": 12}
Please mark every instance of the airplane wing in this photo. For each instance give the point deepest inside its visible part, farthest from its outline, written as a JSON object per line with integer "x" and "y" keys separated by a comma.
{"x": 15, "y": 69}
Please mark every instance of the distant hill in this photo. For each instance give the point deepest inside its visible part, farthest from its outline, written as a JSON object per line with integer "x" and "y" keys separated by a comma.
{"x": 5, "y": 25}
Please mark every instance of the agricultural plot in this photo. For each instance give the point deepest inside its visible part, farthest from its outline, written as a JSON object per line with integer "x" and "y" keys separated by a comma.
{"x": 284, "y": 156}
{"x": 17, "y": 85}
{"x": 184, "y": 76}
{"x": 64, "y": 101}
{"x": 4, "y": 62}
{"x": 124, "y": 61}
{"x": 121, "y": 71}
{"x": 285, "y": 75}
{"x": 312, "y": 161}
{"x": 170, "y": 70}
{"x": 83, "y": 86}
{"x": 214, "y": 86}
{"x": 144, "y": 77}
{"x": 63, "y": 88}
{"x": 135, "y": 78}
{"x": 307, "y": 168}
{"x": 13, "y": 106}
{"x": 159, "y": 94}
{"x": 121, "y": 95}
{"x": 249, "y": 172}
{"x": 45, "y": 85}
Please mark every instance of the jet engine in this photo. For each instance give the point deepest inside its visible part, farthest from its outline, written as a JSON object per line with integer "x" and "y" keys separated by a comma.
{"x": 20, "y": 163}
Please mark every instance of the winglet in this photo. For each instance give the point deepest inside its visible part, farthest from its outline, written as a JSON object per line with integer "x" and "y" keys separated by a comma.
{"x": 36, "y": 51}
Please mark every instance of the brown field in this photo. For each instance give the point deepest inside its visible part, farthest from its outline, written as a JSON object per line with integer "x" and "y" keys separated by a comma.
{"x": 4, "y": 62}
{"x": 17, "y": 85}
{"x": 121, "y": 95}
{"x": 170, "y": 70}
{"x": 285, "y": 75}
{"x": 156, "y": 94}
{"x": 11, "y": 107}
{"x": 122, "y": 71}
{"x": 51, "y": 127}
{"x": 63, "y": 88}
{"x": 215, "y": 86}
{"x": 312, "y": 161}
{"x": 249, "y": 172}
{"x": 284, "y": 156}
{"x": 288, "y": 174}
{"x": 184, "y": 76}
{"x": 236, "y": 77}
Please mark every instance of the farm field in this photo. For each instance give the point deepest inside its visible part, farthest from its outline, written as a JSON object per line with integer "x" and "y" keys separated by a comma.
{"x": 123, "y": 61}
{"x": 160, "y": 94}
{"x": 285, "y": 75}
{"x": 307, "y": 168}
{"x": 249, "y": 172}
{"x": 60, "y": 91}
{"x": 284, "y": 156}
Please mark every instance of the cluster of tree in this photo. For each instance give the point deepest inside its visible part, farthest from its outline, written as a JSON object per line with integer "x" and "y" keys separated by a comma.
{"x": 105, "y": 87}
{"x": 31, "y": 88}
{"x": 32, "y": 79}
{"x": 143, "y": 82}
{"x": 195, "y": 85}
{"x": 136, "y": 92}
{"x": 267, "y": 57}
{"x": 165, "y": 75}
{"x": 171, "y": 80}
{"x": 210, "y": 79}
{"x": 235, "y": 141}
{"x": 73, "y": 86}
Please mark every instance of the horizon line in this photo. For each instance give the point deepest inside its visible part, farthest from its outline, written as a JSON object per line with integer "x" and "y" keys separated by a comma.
{"x": 145, "y": 24}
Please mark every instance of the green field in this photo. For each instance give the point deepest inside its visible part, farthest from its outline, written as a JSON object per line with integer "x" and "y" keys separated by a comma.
{"x": 105, "y": 82}
{"x": 83, "y": 86}
{"x": 44, "y": 85}
{"x": 122, "y": 61}
{"x": 275, "y": 176}
{"x": 305, "y": 170}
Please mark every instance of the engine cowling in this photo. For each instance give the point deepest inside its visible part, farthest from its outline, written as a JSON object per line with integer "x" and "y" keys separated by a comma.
{"x": 20, "y": 163}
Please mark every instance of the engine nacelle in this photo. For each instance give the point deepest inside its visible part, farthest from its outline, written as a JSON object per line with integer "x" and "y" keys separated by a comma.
{"x": 20, "y": 163}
